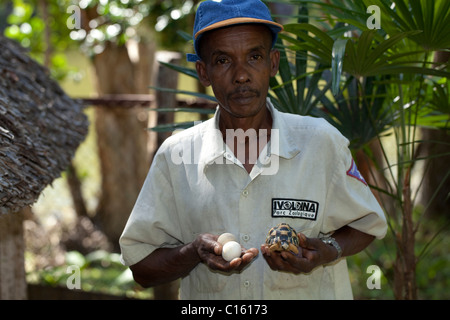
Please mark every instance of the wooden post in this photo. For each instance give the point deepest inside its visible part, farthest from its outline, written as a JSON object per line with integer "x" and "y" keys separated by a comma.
{"x": 13, "y": 285}
{"x": 167, "y": 78}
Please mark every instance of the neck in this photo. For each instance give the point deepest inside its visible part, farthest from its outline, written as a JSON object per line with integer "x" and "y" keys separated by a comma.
{"x": 262, "y": 120}
{"x": 246, "y": 136}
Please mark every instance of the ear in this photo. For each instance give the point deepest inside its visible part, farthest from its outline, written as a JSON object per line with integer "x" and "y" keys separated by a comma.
{"x": 202, "y": 74}
{"x": 275, "y": 62}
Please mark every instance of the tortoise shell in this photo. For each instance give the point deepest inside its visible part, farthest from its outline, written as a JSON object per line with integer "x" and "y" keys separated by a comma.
{"x": 282, "y": 238}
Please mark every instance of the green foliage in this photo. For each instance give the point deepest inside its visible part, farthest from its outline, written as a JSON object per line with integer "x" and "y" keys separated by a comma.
{"x": 368, "y": 83}
{"x": 431, "y": 18}
{"x": 433, "y": 270}
{"x": 365, "y": 82}
{"x": 397, "y": 59}
{"x": 49, "y": 28}
{"x": 100, "y": 272}
{"x": 168, "y": 18}
{"x": 40, "y": 36}
{"x": 298, "y": 89}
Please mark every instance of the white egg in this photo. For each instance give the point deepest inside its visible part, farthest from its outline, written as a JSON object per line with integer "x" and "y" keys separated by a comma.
{"x": 231, "y": 250}
{"x": 226, "y": 237}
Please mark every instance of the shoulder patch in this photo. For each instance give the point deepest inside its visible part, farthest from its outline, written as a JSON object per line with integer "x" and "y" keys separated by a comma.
{"x": 354, "y": 172}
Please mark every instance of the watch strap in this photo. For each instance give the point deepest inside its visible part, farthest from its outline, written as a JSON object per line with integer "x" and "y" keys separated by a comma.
{"x": 334, "y": 243}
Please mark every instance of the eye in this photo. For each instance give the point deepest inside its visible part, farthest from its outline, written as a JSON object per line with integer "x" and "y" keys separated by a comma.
{"x": 222, "y": 61}
{"x": 256, "y": 57}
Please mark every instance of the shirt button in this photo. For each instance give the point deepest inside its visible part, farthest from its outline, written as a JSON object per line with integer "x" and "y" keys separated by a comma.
{"x": 228, "y": 156}
{"x": 246, "y": 283}
{"x": 245, "y": 193}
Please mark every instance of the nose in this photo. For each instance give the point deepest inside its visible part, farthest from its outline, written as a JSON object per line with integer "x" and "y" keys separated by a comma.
{"x": 241, "y": 75}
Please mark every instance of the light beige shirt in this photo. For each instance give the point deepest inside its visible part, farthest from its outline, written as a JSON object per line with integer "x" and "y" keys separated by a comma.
{"x": 305, "y": 176}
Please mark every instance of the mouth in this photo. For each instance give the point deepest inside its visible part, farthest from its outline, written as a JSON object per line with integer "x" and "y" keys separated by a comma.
{"x": 244, "y": 96}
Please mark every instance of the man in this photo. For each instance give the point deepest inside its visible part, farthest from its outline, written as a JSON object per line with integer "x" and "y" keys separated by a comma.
{"x": 244, "y": 171}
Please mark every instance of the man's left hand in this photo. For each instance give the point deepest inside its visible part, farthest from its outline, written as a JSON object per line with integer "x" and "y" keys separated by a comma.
{"x": 312, "y": 253}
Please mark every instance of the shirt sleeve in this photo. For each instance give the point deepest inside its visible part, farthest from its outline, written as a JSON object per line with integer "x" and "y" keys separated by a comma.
{"x": 350, "y": 200}
{"x": 153, "y": 222}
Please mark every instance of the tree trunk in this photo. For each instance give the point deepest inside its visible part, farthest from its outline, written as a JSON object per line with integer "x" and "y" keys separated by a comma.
{"x": 434, "y": 198}
{"x": 405, "y": 263}
{"x": 435, "y": 194}
{"x": 122, "y": 134}
{"x": 167, "y": 78}
{"x": 367, "y": 166}
{"x": 13, "y": 285}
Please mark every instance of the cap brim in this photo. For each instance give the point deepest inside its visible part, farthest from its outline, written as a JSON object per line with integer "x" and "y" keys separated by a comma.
{"x": 233, "y": 21}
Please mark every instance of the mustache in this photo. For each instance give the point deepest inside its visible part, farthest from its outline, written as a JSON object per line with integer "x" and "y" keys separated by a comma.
{"x": 244, "y": 90}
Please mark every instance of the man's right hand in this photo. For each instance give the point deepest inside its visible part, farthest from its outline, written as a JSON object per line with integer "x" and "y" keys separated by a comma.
{"x": 210, "y": 253}
{"x": 168, "y": 264}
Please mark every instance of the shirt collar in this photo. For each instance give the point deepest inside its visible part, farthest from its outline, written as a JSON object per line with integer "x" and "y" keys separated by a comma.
{"x": 213, "y": 146}
{"x": 282, "y": 144}
{"x": 288, "y": 147}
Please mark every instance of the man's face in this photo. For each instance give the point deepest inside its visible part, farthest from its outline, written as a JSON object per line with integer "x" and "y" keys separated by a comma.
{"x": 238, "y": 62}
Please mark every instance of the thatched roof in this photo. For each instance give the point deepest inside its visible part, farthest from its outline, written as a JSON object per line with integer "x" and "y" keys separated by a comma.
{"x": 40, "y": 128}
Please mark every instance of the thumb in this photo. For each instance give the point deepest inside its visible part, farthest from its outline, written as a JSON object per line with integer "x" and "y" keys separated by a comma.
{"x": 304, "y": 241}
{"x": 217, "y": 248}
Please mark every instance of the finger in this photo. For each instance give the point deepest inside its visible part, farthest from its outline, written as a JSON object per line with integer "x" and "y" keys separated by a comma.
{"x": 253, "y": 251}
{"x": 249, "y": 255}
{"x": 265, "y": 250}
{"x": 208, "y": 243}
{"x": 276, "y": 261}
{"x": 288, "y": 255}
{"x": 271, "y": 262}
{"x": 218, "y": 249}
{"x": 273, "y": 258}
{"x": 302, "y": 240}
{"x": 235, "y": 263}
{"x": 215, "y": 262}
{"x": 296, "y": 263}
{"x": 310, "y": 255}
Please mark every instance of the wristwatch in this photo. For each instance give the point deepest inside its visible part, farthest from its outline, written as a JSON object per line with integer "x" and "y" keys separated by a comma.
{"x": 331, "y": 241}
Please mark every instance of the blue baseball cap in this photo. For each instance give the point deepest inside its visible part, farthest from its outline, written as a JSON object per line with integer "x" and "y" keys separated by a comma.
{"x": 215, "y": 14}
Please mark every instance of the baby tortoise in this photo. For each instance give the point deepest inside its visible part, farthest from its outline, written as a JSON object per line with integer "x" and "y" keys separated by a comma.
{"x": 283, "y": 237}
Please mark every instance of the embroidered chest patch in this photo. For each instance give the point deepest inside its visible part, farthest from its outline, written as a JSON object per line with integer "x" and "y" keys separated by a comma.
{"x": 354, "y": 172}
{"x": 292, "y": 208}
